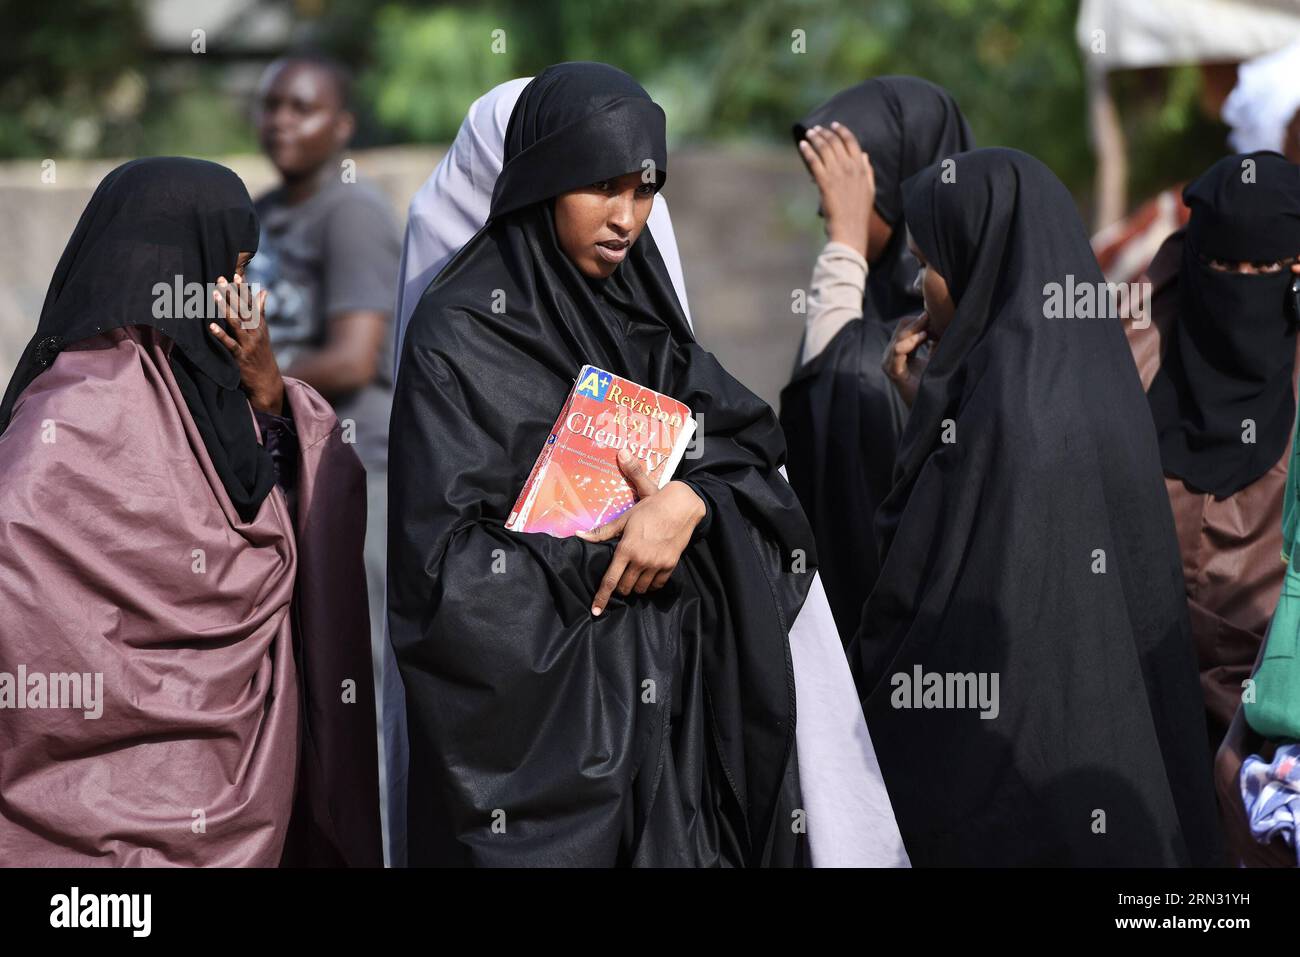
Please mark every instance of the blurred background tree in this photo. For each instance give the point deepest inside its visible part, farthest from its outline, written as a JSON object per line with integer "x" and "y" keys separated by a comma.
{"x": 97, "y": 80}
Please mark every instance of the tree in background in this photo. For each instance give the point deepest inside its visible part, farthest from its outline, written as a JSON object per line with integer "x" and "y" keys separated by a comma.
{"x": 87, "y": 84}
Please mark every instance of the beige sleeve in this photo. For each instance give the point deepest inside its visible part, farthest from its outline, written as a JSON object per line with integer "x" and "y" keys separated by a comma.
{"x": 838, "y": 281}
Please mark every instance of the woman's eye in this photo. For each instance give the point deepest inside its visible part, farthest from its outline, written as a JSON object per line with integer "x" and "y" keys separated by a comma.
{"x": 603, "y": 185}
{"x": 646, "y": 189}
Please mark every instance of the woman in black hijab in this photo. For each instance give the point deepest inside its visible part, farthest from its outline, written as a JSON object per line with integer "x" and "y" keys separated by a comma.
{"x": 841, "y": 416}
{"x": 1028, "y": 545}
{"x": 660, "y": 731}
{"x": 127, "y": 242}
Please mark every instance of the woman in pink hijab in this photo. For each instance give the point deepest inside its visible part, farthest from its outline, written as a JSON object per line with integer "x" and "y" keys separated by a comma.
{"x": 184, "y": 655}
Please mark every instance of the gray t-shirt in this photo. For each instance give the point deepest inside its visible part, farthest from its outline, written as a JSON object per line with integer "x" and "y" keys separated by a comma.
{"x": 336, "y": 252}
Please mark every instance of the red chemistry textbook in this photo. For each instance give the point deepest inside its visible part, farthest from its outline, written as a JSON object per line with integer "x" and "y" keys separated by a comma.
{"x": 576, "y": 484}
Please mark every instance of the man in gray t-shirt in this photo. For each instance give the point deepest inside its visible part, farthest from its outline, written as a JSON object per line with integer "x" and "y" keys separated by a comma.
{"x": 331, "y": 261}
{"x": 328, "y": 256}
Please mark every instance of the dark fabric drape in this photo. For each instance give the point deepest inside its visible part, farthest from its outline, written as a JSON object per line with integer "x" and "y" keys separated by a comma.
{"x": 1028, "y": 536}
{"x": 1231, "y": 357}
{"x": 151, "y": 223}
{"x": 661, "y": 732}
{"x": 335, "y": 821}
{"x": 841, "y": 416}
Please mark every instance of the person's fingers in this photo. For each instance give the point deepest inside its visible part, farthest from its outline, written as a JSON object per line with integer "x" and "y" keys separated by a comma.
{"x": 828, "y": 148}
{"x": 896, "y": 365}
{"x": 914, "y": 323}
{"x": 661, "y": 579}
{"x": 628, "y": 580}
{"x": 835, "y": 145}
{"x": 900, "y": 350}
{"x": 230, "y": 290}
{"x": 219, "y": 297}
{"x": 231, "y": 308}
{"x": 224, "y": 339}
{"x": 604, "y": 533}
{"x": 812, "y": 158}
{"x": 613, "y": 574}
{"x": 848, "y": 141}
{"x": 906, "y": 345}
{"x": 634, "y": 471}
{"x": 911, "y": 326}
{"x": 238, "y": 307}
{"x": 645, "y": 581}
{"x": 908, "y": 336}
{"x": 245, "y": 304}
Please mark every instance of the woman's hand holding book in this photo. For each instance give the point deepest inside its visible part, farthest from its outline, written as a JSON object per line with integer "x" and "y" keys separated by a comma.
{"x": 654, "y": 533}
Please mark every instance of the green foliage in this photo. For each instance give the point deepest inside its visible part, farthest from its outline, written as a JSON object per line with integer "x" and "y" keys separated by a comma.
{"x": 429, "y": 67}
{"x": 84, "y": 83}
{"x": 69, "y": 81}
{"x": 728, "y": 69}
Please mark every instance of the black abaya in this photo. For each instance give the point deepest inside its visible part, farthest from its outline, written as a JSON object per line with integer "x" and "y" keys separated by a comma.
{"x": 1036, "y": 544}
{"x": 661, "y": 732}
{"x": 841, "y": 415}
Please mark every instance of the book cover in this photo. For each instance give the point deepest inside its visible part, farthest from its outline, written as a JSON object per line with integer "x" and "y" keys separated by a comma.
{"x": 576, "y": 484}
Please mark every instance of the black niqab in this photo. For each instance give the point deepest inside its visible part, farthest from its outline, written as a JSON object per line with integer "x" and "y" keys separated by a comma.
{"x": 841, "y": 415}
{"x": 1029, "y": 536}
{"x": 149, "y": 222}
{"x": 661, "y": 732}
{"x": 1226, "y": 372}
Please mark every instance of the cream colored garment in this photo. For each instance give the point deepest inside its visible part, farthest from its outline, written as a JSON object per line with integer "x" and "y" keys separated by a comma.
{"x": 838, "y": 283}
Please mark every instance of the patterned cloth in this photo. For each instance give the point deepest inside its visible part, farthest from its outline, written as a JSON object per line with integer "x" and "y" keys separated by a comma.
{"x": 1271, "y": 793}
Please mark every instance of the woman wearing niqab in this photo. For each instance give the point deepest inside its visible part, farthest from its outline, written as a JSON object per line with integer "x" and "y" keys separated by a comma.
{"x": 196, "y": 564}
{"x": 1217, "y": 355}
{"x": 1218, "y": 358}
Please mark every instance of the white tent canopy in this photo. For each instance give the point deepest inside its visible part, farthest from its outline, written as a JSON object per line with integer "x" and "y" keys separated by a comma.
{"x": 1133, "y": 34}
{"x": 1154, "y": 33}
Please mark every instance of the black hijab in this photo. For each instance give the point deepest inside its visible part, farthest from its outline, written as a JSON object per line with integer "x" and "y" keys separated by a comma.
{"x": 517, "y": 698}
{"x": 149, "y": 222}
{"x": 841, "y": 415}
{"x": 1231, "y": 354}
{"x": 1029, "y": 536}
{"x": 904, "y": 124}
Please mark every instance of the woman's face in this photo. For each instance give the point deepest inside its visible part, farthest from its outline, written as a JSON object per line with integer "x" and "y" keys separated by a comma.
{"x": 934, "y": 291}
{"x": 597, "y": 225}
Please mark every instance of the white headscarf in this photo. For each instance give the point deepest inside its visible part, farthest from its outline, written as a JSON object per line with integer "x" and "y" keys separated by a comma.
{"x": 1266, "y": 97}
{"x": 453, "y": 204}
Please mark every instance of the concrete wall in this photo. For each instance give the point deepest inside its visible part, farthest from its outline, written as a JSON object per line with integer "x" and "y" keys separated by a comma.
{"x": 744, "y": 219}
